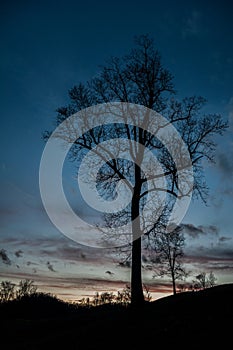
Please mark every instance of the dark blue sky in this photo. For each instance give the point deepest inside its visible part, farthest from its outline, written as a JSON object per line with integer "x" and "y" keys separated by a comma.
{"x": 48, "y": 46}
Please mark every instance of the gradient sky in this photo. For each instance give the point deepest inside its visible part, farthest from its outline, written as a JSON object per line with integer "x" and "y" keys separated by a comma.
{"x": 46, "y": 48}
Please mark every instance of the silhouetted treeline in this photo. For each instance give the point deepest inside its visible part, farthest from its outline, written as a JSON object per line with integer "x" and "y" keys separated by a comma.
{"x": 41, "y": 321}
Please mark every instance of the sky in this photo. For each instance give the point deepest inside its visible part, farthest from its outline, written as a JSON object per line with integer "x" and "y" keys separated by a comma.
{"x": 49, "y": 46}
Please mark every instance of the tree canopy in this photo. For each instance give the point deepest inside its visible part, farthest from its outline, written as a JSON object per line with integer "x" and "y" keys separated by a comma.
{"x": 140, "y": 79}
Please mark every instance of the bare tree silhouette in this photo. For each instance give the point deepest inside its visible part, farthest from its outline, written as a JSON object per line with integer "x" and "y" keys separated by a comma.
{"x": 26, "y": 288}
{"x": 7, "y": 291}
{"x": 168, "y": 249}
{"x": 204, "y": 280}
{"x": 140, "y": 78}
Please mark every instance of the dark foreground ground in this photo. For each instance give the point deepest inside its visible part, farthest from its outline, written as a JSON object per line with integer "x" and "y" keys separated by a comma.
{"x": 190, "y": 320}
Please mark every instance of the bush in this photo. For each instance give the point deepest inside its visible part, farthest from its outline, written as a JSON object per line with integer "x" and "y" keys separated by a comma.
{"x": 7, "y": 291}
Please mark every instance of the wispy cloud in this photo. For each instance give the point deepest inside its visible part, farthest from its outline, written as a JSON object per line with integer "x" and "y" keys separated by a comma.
{"x": 224, "y": 157}
{"x": 197, "y": 231}
{"x": 230, "y": 112}
{"x": 225, "y": 164}
{"x": 50, "y": 266}
{"x": 19, "y": 253}
{"x": 224, "y": 239}
{"x": 192, "y": 25}
{"x": 75, "y": 288}
{"x": 4, "y": 257}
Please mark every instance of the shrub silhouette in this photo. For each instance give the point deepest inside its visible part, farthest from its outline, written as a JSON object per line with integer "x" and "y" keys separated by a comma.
{"x": 37, "y": 305}
{"x": 26, "y": 287}
{"x": 122, "y": 297}
{"x": 25, "y": 300}
{"x": 7, "y": 291}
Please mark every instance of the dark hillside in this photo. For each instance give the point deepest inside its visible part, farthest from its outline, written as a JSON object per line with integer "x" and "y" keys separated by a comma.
{"x": 188, "y": 320}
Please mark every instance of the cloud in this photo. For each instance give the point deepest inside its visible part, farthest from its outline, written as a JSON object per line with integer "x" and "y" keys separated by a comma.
{"x": 18, "y": 253}
{"x": 216, "y": 255}
{"x": 29, "y": 263}
{"x": 224, "y": 239}
{"x": 192, "y": 24}
{"x": 228, "y": 191}
{"x": 197, "y": 231}
{"x": 225, "y": 164}
{"x": 230, "y": 112}
{"x": 4, "y": 257}
{"x": 50, "y": 266}
{"x": 109, "y": 273}
{"x": 75, "y": 288}
{"x": 68, "y": 255}
{"x": 217, "y": 260}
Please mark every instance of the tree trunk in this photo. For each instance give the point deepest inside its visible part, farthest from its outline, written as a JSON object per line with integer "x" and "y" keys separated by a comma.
{"x": 173, "y": 284}
{"x": 137, "y": 297}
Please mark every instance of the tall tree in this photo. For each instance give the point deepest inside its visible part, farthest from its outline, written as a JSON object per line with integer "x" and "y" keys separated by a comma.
{"x": 140, "y": 78}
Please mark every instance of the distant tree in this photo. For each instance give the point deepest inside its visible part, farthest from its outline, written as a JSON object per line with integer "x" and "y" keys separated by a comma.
{"x": 147, "y": 294}
{"x": 122, "y": 297}
{"x": 212, "y": 279}
{"x": 7, "y": 291}
{"x": 169, "y": 250}
{"x": 140, "y": 78}
{"x": 26, "y": 287}
{"x": 183, "y": 287}
{"x": 203, "y": 280}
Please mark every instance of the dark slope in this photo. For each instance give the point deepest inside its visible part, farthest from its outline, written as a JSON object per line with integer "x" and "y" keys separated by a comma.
{"x": 188, "y": 320}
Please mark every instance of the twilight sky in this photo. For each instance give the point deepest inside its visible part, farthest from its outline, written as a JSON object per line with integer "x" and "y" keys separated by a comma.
{"x": 49, "y": 46}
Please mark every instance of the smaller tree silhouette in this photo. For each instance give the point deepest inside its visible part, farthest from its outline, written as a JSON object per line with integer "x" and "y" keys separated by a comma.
{"x": 168, "y": 248}
{"x": 122, "y": 297}
{"x": 212, "y": 279}
{"x": 26, "y": 288}
{"x": 7, "y": 291}
{"x": 203, "y": 280}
